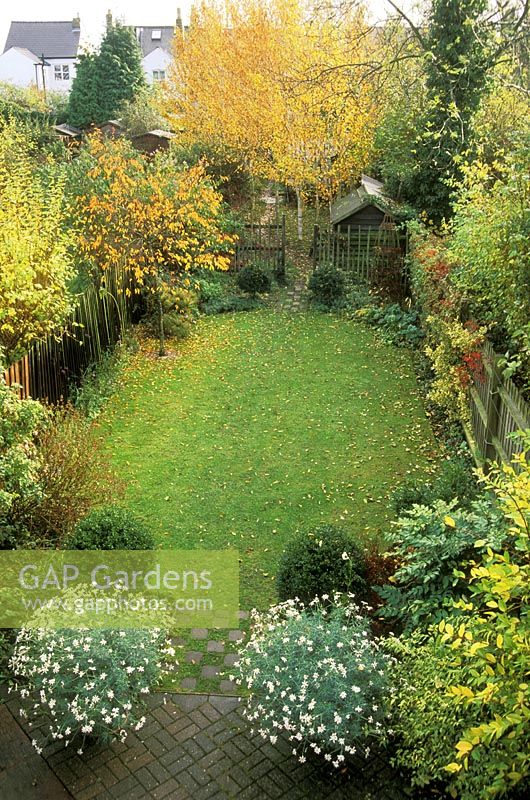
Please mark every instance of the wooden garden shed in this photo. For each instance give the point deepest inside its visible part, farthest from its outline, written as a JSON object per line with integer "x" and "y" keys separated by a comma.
{"x": 152, "y": 141}
{"x": 111, "y": 128}
{"x": 365, "y": 239}
{"x": 364, "y": 207}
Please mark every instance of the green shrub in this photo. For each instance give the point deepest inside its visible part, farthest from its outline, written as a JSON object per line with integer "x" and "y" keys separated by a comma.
{"x": 111, "y": 528}
{"x": 178, "y": 311}
{"x": 455, "y": 481}
{"x": 176, "y": 325}
{"x": 218, "y": 296}
{"x": 425, "y": 721}
{"x": 397, "y": 326}
{"x": 429, "y": 543}
{"x": 327, "y": 285}
{"x": 210, "y": 292}
{"x": 253, "y": 279}
{"x": 358, "y": 296}
{"x": 316, "y": 675}
{"x": 74, "y": 476}
{"x": 20, "y": 422}
{"x": 321, "y": 562}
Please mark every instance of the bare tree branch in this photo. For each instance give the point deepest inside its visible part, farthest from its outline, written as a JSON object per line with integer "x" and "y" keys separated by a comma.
{"x": 416, "y": 31}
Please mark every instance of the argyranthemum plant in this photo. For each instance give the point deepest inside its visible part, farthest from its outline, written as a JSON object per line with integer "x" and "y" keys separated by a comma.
{"x": 315, "y": 673}
{"x": 86, "y": 682}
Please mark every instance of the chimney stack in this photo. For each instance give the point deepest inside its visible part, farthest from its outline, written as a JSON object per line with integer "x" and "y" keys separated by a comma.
{"x": 109, "y": 20}
{"x": 179, "y": 20}
{"x": 76, "y": 23}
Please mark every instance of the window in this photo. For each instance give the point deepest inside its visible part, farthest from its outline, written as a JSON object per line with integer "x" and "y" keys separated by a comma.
{"x": 159, "y": 74}
{"x": 156, "y": 35}
{"x": 62, "y": 72}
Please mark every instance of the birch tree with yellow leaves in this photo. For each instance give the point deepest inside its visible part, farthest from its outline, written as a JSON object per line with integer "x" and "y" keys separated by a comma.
{"x": 261, "y": 77}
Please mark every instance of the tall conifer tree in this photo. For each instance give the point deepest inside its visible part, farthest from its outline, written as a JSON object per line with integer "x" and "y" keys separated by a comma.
{"x": 106, "y": 79}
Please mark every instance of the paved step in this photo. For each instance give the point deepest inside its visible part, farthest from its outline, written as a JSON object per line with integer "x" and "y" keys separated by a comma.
{"x": 24, "y": 775}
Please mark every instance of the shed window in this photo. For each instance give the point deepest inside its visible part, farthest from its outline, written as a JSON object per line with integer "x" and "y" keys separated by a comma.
{"x": 159, "y": 74}
{"x": 156, "y": 34}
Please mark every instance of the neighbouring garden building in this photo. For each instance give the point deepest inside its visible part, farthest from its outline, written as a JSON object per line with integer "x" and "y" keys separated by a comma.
{"x": 41, "y": 54}
{"x": 366, "y": 206}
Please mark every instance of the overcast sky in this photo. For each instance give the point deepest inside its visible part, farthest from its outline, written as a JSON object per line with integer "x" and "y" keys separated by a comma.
{"x": 92, "y": 13}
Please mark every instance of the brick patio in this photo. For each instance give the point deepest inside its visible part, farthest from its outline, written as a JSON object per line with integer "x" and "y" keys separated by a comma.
{"x": 193, "y": 747}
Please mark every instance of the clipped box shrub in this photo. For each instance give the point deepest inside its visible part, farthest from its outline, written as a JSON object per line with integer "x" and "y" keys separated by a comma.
{"x": 321, "y": 562}
{"x": 327, "y": 285}
{"x": 253, "y": 279}
{"x": 111, "y": 528}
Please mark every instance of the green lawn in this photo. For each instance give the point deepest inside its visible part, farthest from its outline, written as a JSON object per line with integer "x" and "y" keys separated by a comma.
{"x": 265, "y": 423}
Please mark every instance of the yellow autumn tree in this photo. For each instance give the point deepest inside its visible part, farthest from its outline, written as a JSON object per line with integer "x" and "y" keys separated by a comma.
{"x": 142, "y": 215}
{"x": 150, "y": 218}
{"x": 35, "y": 267}
{"x": 324, "y": 137}
{"x": 262, "y": 78}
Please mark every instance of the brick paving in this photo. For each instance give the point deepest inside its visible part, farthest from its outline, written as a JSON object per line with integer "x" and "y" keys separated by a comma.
{"x": 193, "y": 747}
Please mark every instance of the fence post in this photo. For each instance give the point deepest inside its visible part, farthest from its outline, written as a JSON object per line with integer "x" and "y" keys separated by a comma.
{"x": 492, "y": 412}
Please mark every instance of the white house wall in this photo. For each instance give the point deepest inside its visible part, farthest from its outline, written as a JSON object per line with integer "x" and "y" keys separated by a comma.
{"x": 18, "y": 69}
{"x": 158, "y": 60}
{"x": 62, "y": 85}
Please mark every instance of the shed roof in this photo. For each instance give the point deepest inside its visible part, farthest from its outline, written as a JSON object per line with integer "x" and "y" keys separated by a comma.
{"x": 114, "y": 123}
{"x": 68, "y": 130}
{"x": 368, "y": 193}
{"x": 159, "y": 134}
{"x": 51, "y": 39}
{"x": 164, "y": 41}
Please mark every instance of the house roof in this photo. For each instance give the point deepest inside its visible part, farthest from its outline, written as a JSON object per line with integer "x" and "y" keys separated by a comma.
{"x": 28, "y": 54}
{"x": 51, "y": 39}
{"x": 148, "y": 44}
{"x": 368, "y": 193}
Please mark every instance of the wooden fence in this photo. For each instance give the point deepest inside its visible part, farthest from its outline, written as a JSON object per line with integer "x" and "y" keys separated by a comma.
{"x": 54, "y": 366}
{"x": 264, "y": 243}
{"x": 369, "y": 256}
{"x": 498, "y": 410}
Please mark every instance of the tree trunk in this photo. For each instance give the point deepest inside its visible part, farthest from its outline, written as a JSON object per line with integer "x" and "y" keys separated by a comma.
{"x": 161, "y": 334}
{"x": 317, "y": 207}
{"x": 299, "y": 214}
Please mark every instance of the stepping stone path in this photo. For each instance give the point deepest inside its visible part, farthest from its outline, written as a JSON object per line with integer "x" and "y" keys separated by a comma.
{"x": 210, "y": 659}
{"x": 297, "y": 299}
{"x": 192, "y": 747}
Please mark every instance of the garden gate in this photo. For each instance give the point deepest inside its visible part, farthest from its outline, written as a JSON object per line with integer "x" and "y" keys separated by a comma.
{"x": 262, "y": 242}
